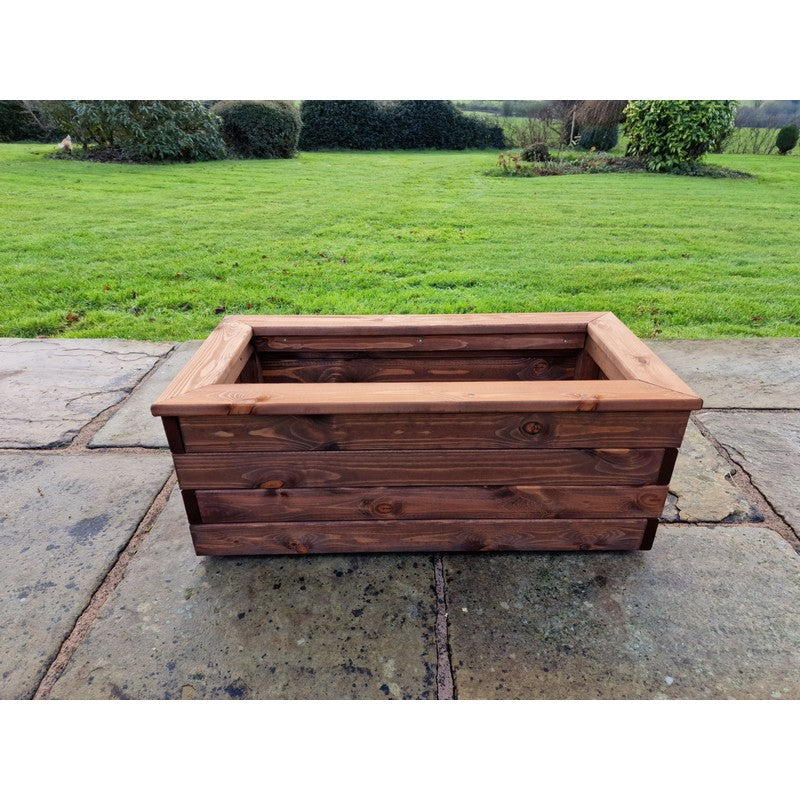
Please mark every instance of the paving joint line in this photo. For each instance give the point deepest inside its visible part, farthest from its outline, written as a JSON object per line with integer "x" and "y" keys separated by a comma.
{"x": 743, "y": 481}
{"x": 445, "y": 683}
{"x": 80, "y": 442}
{"x": 111, "y": 580}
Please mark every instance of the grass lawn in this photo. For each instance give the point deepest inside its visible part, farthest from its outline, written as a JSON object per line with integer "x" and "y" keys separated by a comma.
{"x": 157, "y": 252}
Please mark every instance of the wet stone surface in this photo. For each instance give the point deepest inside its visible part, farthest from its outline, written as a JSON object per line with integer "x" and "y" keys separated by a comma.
{"x": 50, "y": 388}
{"x": 710, "y": 612}
{"x": 132, "y": 425}
{"x": 323, "y": 627}
{"x": 737, "y": 373}
{"x": 63, "y": 521}
{"x": 702, "y": 489}
{"x": 767, "y": 446}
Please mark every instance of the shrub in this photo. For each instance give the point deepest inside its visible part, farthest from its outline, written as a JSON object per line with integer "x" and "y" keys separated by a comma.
{"x": 348, "y": 124}
{"x": 16, "y": 122}
{"x": 259, "y": 128}
{"x": 602, "y": 138}
{"x": 538, "y": 151}
{"x": 787, "y": 139}
{"x": 404, "y": 125}
{"x": 669, "y": 135}
{"x": 142, "y": 130}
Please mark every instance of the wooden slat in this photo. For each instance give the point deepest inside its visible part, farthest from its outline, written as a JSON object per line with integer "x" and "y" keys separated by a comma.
{"x": 219, "y": 360}
{"x": 649, "y": 534}
{"x": 399, "y": 536}
{"x": 423, "y": 343}
{"x": 418, "y": 468}
{"x": 434, "y": 431}
{"x": 622, "y": 355}
{"x": 172, "y": 430}
{"x": 393, "y": 369}
{"x": 322, "y": 325}
{"x": 424, "y": 397}
{"x": 430, "y": 502}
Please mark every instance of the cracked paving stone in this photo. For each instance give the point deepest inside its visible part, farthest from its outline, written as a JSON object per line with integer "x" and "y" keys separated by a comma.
{"x": 132, "y": 424}
{"x": 51, "y": 388}
{"x": 710, "y": 612}
{"x": 701, "y": 489}
{"x": 63, "y": 521}
{"x": 767, "y": 447}
{"x": 315, "y": 627}
{"x": 737, "y": 373}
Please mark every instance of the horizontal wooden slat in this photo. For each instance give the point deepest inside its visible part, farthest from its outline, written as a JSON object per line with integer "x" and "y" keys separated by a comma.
{"x": 418, "y": 468}
{"x": 424, "y": 343}
{"x": 424, "y": 397}
{"x": 433, "y": 431}
{"x": 400, "y": 536}
{"x": 430, "y": 502}
{"x": 391, "y": 368}
{"x": 278, "y": 325}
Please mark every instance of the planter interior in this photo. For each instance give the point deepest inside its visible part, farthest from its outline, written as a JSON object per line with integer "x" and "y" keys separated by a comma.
{"x": 441, "y": 432}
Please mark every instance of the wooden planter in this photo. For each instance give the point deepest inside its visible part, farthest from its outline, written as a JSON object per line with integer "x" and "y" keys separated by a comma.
{"x": 451, "y": 432}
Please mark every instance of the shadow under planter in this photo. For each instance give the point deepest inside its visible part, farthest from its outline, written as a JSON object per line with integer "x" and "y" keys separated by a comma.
{"x": 424, "y": 432}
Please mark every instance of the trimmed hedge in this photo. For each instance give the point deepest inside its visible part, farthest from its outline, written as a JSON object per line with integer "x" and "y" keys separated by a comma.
{"x": 402, "y": 125}
{"x": 259, "y": 128}
{"x": 17, "y": 124}
{"x": 787, "y": 139}
{"x": 603, "y": 138}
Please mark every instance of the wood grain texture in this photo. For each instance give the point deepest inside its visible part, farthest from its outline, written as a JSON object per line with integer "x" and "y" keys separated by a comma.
{"x": 622, "y": 355}
{"x": 420, "y": 343}
{"x": 429, "y": 502}
{"x": 418, "y": 468}
{"x": 411, "y": 324}
{"x": 281, "y": 538}
{"x": 219, "y": 360}
{"x": 424, "y": 397}
{"x": 388, "y": 368}
{"x": 434, "y": 431}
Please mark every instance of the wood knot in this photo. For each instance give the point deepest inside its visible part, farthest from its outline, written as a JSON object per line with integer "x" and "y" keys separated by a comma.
{"x": 532, "y": 427}
{"x": 274, "y": 484}
{"x": 539, "y": 367}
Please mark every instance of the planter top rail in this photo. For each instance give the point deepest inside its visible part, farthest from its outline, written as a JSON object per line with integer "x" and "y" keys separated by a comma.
{"x": 635, "y": 377}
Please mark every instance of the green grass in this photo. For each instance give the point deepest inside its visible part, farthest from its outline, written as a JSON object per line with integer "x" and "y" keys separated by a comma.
{"x": 150, "y": 252}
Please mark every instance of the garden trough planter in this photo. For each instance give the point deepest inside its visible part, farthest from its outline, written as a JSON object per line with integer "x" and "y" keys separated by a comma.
{"x": 313, "y": 434}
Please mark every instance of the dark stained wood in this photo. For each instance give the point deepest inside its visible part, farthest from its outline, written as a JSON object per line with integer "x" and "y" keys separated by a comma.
{"x": 425, "y": 343}
{"x": 432, "y": 431}
{"x": 172, "y": 430}
{"x": 191, "y": 506}
{"x": 402, "y": 536}
{"x": 429, "y": 502}
{"x": 251, "y": 372}
{"x": 620, "y": 467}
{"x": 667, "y": 465}
{"x": 585, "y": 368}
{"x": 423, "y": 397}
{"x": 649, "y": 534}
{"x": 358, "y": 368}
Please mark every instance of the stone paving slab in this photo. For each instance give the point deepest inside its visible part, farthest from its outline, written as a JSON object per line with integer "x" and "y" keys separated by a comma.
{"x": 710, "y": 612}
{"x": 737, "y": 373}
{"x": 702, "y": 489}
{"x": 132, "y": 425}
{"x": 322, "y": 627}
{"x": 50, "y": 388}
{"x": 767, "y": 446}
{"x": 63, "y": 521}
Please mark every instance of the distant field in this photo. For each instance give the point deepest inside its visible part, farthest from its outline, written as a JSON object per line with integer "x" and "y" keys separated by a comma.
{"x": 152, "y": 252}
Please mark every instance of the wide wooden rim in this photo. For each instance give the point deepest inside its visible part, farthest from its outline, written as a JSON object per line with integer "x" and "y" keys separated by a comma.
{"x": 638, "y": 378}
